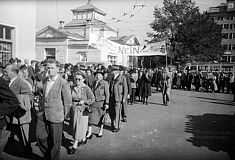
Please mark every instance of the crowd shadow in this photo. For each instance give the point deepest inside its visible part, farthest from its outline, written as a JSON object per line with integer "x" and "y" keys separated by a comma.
{"x": 15, "y": 148}
{"x": 214, "y": 99}
{"x": 214, "y": 131}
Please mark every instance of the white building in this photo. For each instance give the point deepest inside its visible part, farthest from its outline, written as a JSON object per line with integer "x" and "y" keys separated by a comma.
{"x": 17, "y": 30}
{"x": 69, "y": 43}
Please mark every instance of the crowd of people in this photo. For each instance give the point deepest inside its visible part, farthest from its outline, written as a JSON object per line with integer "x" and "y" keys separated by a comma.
{"x": 52, "y": 93}
{"x": 85, "y": 96}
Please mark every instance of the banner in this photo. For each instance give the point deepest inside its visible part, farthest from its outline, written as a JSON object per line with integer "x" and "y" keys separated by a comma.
{"x": 113, "y": 47}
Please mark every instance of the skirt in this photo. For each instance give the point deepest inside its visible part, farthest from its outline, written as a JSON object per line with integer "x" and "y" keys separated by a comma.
{"x": 96, "y": 113}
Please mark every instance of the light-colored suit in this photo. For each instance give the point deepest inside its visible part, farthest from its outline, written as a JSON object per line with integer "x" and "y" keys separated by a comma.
{"x": 58, "y": 101}
{"x": 23, "y": 93}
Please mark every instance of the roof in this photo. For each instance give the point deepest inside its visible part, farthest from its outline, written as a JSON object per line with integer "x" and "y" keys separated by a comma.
{"x": 83, "y": 22}
{"x": 56, "y": 33}
{"x": 88, "y": 7}
{"x": 124, "y": 40}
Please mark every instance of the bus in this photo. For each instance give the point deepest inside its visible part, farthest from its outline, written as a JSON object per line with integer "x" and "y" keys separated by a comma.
{"x": 205, "y": 67}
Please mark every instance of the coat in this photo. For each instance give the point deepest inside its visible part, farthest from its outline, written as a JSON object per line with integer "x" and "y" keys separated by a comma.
{"x": 22, "y": 91}
{"x": 57, "y": 103}
{"x": 145, "y": 86}
{"x": 101, "y": 91}
{"x": 118, "y": 88}
{"x": 8, "y": 102}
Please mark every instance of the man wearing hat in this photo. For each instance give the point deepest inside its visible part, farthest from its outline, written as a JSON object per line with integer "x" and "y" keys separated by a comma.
{"x": 123, "y": 72}
{"x": 118, "y": 95}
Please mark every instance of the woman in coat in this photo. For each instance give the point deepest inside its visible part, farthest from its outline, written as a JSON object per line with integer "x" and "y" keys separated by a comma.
{"x": 145, "y": 87}
{"x": 100, "y": 89}
{"x": 82, "y": 98}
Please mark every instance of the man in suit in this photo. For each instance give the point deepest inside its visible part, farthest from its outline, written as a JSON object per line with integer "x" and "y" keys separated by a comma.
{"x": 56, "y": 103}
{"x": 21, "y": 118}
{"x": 123, "y": 72}
{"x": 118, "y": 95}
{"x": 166, "y": 86}
{"x": 8, "y": 104}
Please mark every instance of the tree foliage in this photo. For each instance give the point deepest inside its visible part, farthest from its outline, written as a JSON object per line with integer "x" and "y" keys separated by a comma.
{"x": 192, "y": 35}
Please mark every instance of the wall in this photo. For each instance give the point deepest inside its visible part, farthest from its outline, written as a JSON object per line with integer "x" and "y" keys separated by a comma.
{"x": 22, "y": 16}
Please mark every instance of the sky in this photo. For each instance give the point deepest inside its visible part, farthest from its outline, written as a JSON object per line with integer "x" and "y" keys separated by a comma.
{"x": 135, "y": 22}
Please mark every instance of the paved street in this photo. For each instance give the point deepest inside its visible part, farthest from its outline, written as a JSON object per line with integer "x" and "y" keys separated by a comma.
{"x": 194, "y": 126}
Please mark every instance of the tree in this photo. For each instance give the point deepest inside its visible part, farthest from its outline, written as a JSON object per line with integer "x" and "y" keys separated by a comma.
{"x": 191, "y": 35}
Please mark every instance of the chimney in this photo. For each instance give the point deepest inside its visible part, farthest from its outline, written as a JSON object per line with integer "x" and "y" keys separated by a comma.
{"x": 61, "y": 27}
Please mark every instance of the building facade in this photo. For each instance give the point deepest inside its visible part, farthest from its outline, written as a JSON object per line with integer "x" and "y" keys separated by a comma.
{"x": 17, "y": 30}
{"x": 70, "y": 42}
{"x": 224, "y": 15}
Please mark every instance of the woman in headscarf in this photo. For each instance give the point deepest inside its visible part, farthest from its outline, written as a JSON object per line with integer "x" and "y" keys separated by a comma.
{"x": 100, "y": 89}
{"x": 82, "y": 97}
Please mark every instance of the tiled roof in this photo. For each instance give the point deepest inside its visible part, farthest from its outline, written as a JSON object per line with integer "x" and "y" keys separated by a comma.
{"x": 62, "y": 33}
{"x": 88, "y": 7}
{"x": 123, "y": 39}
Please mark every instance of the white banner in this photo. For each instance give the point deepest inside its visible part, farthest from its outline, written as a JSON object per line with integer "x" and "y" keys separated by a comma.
{"x": 113, "y": 47}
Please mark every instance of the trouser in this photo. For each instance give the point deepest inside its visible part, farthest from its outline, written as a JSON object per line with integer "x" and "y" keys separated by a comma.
{"x": 49, "y": 137}
{"x": 124, "y": 109}
{"x": 4, "y": 134}
{"x": 115, "y": 113}
{"x": 22, "y": 133}
{"x": 166, "y": 94}
{"x": 133, "y": 95}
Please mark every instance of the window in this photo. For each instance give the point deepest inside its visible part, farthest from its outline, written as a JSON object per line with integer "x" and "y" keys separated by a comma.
{"x": 8, "y": 33}
{"x": 80, "y": 16}
{"x": 230, "y": 5}
{"x": 230, "y": 35}
{"x": 50, "y": 53}
{"x": 229, "y": 47}
{"x": 5, "y": 52}
{"x": 226, "y": 26}
{"x": 225, "y": 35}
{"x": 233, "y": 47}
{"x": 231, "y": 26}
{"x": 1, "y": 31}
{"x": 89, "y": 15}
{"x": 83, "y": 57}
{"x": 233, "y": 35}
{"x": 225, "y": 47}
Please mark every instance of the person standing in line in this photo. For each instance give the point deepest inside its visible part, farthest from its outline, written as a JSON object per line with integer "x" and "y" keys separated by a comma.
{"x": 118, "y": 94}
{"x": 20, "y": 120}
{"x": 123, "y": 72}
{"x": 166, "y": 86}
{"x": 82, "y": 98}
{"x": 145, "y": 86}
{"x": 133, "y": 80}
{"x": 56, "y": 103}
{"x": 8, "y": 104}
{"x": 100, "y": 89}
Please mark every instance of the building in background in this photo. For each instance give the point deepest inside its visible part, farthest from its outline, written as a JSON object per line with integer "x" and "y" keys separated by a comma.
{"x": 224, "y": 15}
{"x": 17, "y": 30}
{"x": 70, "y": 42}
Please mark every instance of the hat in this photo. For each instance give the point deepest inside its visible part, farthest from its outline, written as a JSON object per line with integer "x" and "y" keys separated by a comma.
{"x": 81, "y": 67}
{"x": 12, "y": 60}
{"x": 1, "y": 65}
{"x": 98, "y": 71}
{"x": 115, "y": 68}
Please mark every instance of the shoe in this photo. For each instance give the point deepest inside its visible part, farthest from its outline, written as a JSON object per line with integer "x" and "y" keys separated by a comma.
{"x": 84, "y": 142}
{"x": 72, "y": 151}
{"x": 28, "y": 148}
{"x": 99, "y": 136}
{"x": 146, "y": 103}
{"x": 90, "y": 137}
{"x": 115, "y": 130}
